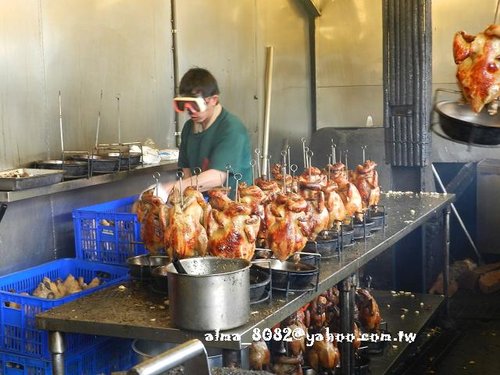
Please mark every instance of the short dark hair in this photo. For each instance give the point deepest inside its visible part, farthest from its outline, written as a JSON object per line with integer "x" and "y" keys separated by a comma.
{"x": 198, "y": 81}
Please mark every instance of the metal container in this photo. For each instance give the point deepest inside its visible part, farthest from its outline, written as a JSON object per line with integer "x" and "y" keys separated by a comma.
{"x": 159, "y": 280}
{"x": 72, "y": 169}
{"x": 214, "y": 294}
{"x": 146, "y": 349}
{"x": 140, "y": 266}
{"x": 288, "y": 275}
{"x": 27, "y": 178}
{"x": 461, "y": 123}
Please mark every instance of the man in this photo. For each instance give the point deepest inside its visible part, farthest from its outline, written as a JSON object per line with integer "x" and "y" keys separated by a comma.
{"x": 212, "y": 139}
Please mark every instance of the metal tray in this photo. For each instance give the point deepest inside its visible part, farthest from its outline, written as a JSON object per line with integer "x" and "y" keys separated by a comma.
{"x": 27, "y": 178}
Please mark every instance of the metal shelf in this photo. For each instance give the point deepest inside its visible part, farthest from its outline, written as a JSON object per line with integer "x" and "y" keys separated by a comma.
{"x": 138, "y": 313}
{"x": 391, "y": 306}
{"x": 17, "y": 195}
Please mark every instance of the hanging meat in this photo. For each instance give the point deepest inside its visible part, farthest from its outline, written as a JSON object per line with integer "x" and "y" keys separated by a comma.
{"x": 290, "y": 181}
{"x": 232, "y": 227}
{"x": 185, "y": 234}
{"x": 347, "y": 191}
{"x": 288, "y": 228}
{"x": 365, "y": 178}
{"x": 152, "y": 214}
{"x": 324, "y": 354}
{"x": 368, "y": 310}
{"x": 259, "y": 356}
{"x": 478, "y": 66}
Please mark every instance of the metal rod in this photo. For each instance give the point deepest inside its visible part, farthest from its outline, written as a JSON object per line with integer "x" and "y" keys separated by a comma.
{"x": 237, "y": 177}
{"x": 446, "y": 260}
{"x": 460, "y": 221}
{"x": 119, "y": 120}
{"x": 346, "y": 325}
{"x": 363, "y": 151}
{"x": 267, "y": 103}
{"x": 334, "y": 157}
{"x": 304, "y": 151}
{"x": 98, "y": 123}
{"x": 252, "y": 164}
{"x": 257, "y": 152}
{"x": 180, "y": 175}
{"x": 60, "y": 123}
{"x": 197, "y": 171}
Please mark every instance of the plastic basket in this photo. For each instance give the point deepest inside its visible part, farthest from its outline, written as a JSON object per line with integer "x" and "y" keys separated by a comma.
{"x": 103, "y": 358}
{"x": 18, "y": 332}
{"x": 108, "y": 232}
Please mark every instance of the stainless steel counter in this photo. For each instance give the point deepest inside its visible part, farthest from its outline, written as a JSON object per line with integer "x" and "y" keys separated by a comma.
{"x": 12, "y": 196}
{"x": 137, "y": 312}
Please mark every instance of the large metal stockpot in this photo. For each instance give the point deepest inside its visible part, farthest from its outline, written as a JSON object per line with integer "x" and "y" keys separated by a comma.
{"x": 214, "y": 294}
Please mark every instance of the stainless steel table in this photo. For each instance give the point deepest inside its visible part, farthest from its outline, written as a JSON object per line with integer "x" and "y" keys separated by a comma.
{"x": 133, "y": 311}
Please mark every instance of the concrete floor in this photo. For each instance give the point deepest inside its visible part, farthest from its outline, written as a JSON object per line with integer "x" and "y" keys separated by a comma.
{"x": 475, "y": 343}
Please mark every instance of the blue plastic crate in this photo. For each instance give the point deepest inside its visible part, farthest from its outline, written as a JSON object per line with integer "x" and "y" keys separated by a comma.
{"x": 18, "y": 332}
{"x": 100, "y": 359}
{"x": 108, "y": 232}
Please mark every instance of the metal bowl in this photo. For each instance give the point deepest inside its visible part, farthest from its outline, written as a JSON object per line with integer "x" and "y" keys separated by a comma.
{"x": 362, "y": 229}
{"x": 459, "y": 122}
{"x": 72, "y": 169}
{"x": 326, "y": 244}
{"x": 288, "y": 275}
{"x": 140, "y": 266}
{"x": 259, "y": 280}
{"x": 379, "y": 219}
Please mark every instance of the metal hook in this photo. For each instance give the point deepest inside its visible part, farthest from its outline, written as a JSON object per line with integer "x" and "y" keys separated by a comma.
{"x": 293, "y": 169}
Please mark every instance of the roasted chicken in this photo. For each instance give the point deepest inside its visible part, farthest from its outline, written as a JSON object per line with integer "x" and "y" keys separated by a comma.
{"x": 232, "y": 227}
{"x": 310, "y": 184}
{"x": 334, "y": 205}
{"x": 259, "y": 356}
{"x": 368, "y": 310}
{"x": 478, "y": 65}
{"x": 288, "y": 228}
{"x": 152, "y": 214}
{"x": 185, "y": 235}
{"x": 324, "y": 354}
{"x": 347, "y": 191}
{"x": 365, "y": 178}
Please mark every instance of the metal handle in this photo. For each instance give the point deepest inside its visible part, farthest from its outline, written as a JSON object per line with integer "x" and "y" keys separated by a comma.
{"x": 192, "y": 349}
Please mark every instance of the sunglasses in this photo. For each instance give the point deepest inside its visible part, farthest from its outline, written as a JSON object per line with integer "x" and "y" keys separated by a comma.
{"x": 188, "y": 103}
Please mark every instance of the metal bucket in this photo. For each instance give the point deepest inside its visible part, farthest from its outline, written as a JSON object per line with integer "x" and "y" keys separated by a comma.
{"x": 214, "y": 294}
{"x": 146, "y": 349}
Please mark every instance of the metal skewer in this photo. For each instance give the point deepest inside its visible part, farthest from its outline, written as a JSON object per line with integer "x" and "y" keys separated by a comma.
{"x": 156, "y": 177}
{"x": 119, "y": 120}
{"x": 228, "y": 170}
{"x": 268, "y": 166}
{"x": 310, "y": 154}
{"x": 252, "y": 164}
{"x": 197, "y": 171}
{"x": 363, "y": 150}
{"x": 304, "y": 151}
{"x": 345, "y": 158}
{"x": 257, "y": 152}
{"x": 334, "y": 158}
{"x": 98, "y": 123}
{"x": 283, "y": 169}
{"x": 180, "y": 176}
{"x": 237, "y": 177}
{"x": 293, "y": 169}
{"x": 496, "y": 13}
{"x": 288, "y": 158}
{"x": 60, "y": 124}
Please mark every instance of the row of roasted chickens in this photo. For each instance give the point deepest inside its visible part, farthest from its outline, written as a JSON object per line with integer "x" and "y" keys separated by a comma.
{"x": 323, "y": 355}
{"x": 281, "y": 214}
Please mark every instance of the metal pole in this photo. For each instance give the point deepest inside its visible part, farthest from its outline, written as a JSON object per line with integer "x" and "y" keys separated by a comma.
{"x": 453, "y": 208}
{"x": 446, "y": 260}
{"x": 267, "y": 105}
{"x": 56, "y": 346}
{"x": 346, "y": 324}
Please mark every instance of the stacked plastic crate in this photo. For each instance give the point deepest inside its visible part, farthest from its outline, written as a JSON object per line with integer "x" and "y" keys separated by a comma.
{"x": 105, "y": 236}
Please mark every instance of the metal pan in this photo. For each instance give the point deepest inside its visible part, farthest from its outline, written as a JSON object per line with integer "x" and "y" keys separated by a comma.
{"x": 459, "y": 122}
{"x": 72, "y": 169}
